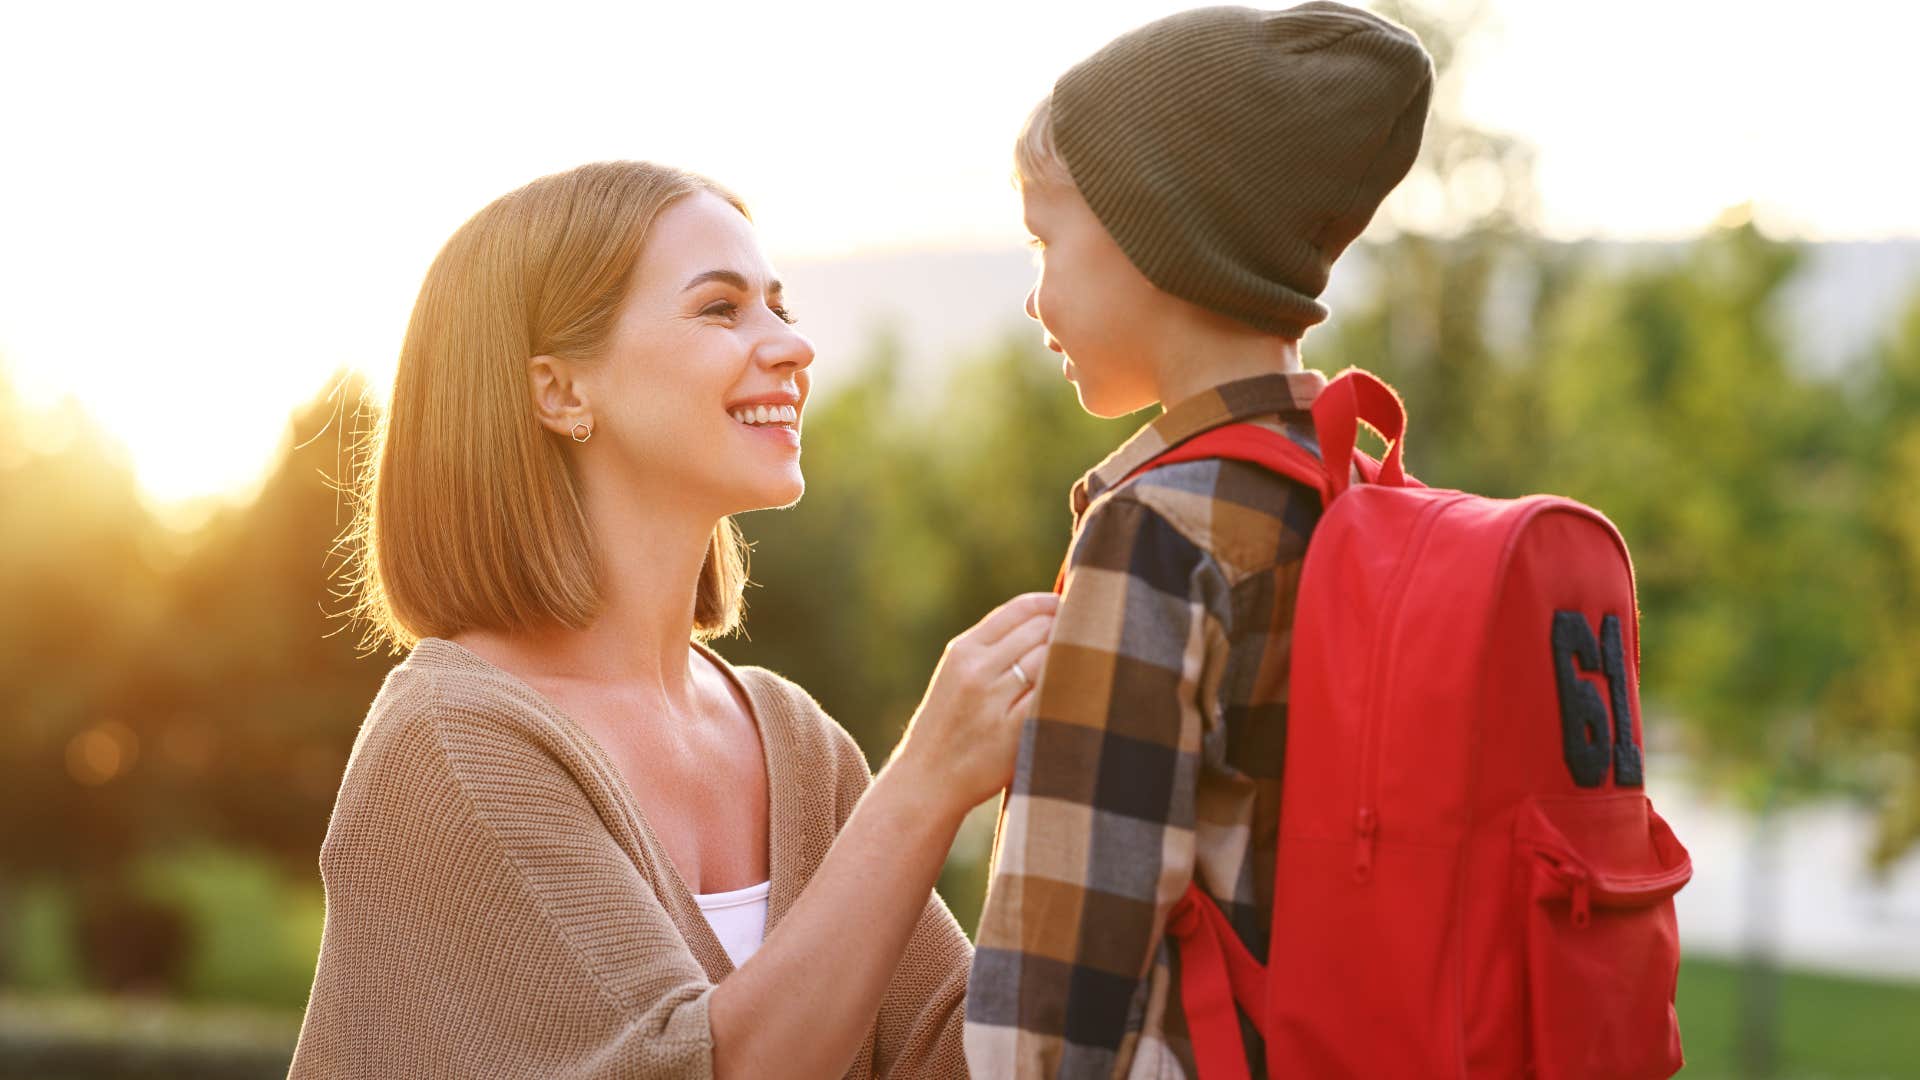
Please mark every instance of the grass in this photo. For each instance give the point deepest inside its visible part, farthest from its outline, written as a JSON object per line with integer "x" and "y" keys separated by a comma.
{"x": 1829, "y": 1026}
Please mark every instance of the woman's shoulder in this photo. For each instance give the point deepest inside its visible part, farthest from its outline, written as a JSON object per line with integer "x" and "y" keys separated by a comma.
{"x": 432, "y": 687}
{"x": 451, "y": 745}
{"x": 445, "y": 710}
{"x": 401, "y": 783}
{"x": 464, "y": 682}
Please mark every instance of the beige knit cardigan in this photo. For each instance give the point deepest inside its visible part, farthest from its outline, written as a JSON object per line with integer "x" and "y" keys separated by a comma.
{"x": 497, "y": 906}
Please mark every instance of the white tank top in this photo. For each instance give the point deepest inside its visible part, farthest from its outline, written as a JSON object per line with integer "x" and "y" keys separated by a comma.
{"x": 738, "y": 918}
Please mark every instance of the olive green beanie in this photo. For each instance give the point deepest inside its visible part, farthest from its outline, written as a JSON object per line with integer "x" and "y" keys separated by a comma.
{"x": 1234, "y": 154}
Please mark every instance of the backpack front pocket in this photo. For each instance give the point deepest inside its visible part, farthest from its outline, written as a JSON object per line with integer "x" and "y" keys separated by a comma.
{"x": 1598, "y": 874}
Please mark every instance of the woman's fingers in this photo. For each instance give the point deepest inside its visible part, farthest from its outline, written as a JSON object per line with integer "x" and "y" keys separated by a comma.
{"x": 962, "y": 723}
{"x": 1033, "y": 662}
{"x": 1002, "y": 653}
{"x": 1025, "y": 645}
{"x": 1012, "y": 615}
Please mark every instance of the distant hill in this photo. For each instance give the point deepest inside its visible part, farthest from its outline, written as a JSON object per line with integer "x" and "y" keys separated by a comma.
{"x": 943, "y": 305}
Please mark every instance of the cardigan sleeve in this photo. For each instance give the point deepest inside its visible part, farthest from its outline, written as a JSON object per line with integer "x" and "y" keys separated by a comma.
{"x": 482, "y": 922}
{"x": 922, "y": 1017}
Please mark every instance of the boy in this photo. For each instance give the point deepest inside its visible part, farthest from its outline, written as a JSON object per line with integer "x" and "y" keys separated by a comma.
{"x": 1188, "y": 186}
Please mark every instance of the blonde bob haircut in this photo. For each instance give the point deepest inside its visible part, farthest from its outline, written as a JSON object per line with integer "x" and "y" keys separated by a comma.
{"x": 469, "y": 513}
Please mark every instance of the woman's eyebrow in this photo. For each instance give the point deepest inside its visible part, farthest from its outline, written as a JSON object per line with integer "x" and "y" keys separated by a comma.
{"x": 729, "y": 277}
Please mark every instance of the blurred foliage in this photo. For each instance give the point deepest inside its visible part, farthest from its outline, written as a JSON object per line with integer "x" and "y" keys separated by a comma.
{"x": 67, "y": 1037}
{"x": 166, "y": 694}
{"x": 255, "y": 930}
{"x": 42, "y": 951}
{"x": 1875, "y": 704}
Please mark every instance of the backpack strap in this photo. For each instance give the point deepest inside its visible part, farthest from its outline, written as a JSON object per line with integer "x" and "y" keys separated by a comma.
{"x": 1352, "y": 398}
{"x": 1216, "y": 971}
{"x": 1356, "y": 397}
{"x": 1250, "y": 443}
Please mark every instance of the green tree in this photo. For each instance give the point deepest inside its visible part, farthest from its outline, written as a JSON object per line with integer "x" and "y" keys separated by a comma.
{"x": 1878, "y": 702}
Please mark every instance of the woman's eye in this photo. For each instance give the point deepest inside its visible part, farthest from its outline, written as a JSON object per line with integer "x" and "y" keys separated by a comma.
{"x": 727, "y": 309}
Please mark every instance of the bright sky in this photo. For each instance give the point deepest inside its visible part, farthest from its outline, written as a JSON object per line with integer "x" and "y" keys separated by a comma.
{"x": 205, "y": 209}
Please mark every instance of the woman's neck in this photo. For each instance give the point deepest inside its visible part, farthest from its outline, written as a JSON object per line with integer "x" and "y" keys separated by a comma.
{"x": 649, "y": 559}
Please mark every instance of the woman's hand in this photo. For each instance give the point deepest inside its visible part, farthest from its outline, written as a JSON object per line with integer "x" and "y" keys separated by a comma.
{"x": 851, "y": 924}
{"x": 963, "y": 738}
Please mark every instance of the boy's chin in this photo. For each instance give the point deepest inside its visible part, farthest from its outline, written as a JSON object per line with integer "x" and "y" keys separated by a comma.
{"x": 1091, "y": 405}
{"x": 1105, "y": 407}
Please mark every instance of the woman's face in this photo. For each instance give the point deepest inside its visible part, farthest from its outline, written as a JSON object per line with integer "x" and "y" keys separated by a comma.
{"x": 705, "y": 379}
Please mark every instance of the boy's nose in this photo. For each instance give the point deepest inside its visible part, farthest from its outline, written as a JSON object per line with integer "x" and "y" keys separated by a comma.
{"x": 1032, "y": 311}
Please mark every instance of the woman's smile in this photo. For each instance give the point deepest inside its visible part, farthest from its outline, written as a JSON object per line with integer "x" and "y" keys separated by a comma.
{"x": 776, "y": 418}
{"x": 785, "y": 433}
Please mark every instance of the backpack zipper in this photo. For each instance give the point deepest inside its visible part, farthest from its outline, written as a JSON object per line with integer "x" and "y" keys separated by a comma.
{"x": 1576, "y": 877}
{"x": 1366, "y": 823}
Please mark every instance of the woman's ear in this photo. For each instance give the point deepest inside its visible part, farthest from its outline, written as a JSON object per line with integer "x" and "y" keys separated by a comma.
{"x": 559, "y": 399}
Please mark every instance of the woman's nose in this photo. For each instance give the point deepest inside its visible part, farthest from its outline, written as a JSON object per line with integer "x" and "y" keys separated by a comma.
{"x": 1033, "y": 312}
{"x": 788, "y": 348}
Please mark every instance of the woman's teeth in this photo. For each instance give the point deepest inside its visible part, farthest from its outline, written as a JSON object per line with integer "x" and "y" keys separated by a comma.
{"x": 767, "y": 414}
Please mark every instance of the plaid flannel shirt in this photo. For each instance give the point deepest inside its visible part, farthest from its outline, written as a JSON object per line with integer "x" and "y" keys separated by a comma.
{"x": 1154, "y": 755}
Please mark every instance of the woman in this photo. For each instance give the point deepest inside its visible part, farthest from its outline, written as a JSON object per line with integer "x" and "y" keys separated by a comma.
{"x": 556, "y": 781}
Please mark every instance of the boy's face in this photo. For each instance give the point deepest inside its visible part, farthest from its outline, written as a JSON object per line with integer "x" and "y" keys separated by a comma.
{"x": 1096, "y": 307}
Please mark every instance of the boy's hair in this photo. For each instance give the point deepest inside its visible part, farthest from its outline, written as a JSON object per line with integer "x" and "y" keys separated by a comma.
{"x": 1036, "y": 160}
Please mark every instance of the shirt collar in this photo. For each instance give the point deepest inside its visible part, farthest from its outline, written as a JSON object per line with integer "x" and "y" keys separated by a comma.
{"x": 1228, "y": 403}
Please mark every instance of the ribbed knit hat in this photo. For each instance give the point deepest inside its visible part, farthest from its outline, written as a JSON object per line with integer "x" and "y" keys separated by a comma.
{"x": 1234, "y": 154}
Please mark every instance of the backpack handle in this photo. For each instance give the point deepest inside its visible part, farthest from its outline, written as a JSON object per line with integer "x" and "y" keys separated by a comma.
{"x": 1352, "y": 398}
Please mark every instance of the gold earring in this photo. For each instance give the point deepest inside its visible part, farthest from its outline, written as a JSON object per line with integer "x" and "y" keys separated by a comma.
{"x": 577, "y": 437}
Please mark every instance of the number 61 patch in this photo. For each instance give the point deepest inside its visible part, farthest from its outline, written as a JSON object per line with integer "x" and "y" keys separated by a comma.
{"x": 1591, "y": 739}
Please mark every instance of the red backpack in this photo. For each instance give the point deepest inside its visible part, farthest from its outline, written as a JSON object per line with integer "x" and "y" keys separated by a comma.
{"x": 1471, "y": 880}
